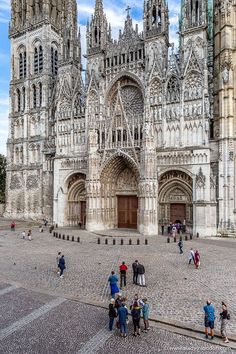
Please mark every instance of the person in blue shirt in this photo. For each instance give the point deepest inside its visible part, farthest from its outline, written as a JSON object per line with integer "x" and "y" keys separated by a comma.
{"x": 113, "y": 280}
{"x": 123, "y": 316}
{"x": 209, "y": 311}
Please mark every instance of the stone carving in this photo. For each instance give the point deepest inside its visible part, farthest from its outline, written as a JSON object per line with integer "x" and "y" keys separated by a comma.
{"x": 32, "y": 182}
{"x": 127, "y": 181}
{"x": 200, "y": 179}
{"x": 16, "y": 182}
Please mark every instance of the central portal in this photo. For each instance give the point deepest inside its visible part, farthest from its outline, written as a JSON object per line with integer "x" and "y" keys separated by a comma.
{"x": 127, "y": 212}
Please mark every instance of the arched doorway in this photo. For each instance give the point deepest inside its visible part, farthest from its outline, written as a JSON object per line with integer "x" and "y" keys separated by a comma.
{"x": 176, "y": 198}
{"x": 119, "y": 193}
{"x": 76, "y": 208}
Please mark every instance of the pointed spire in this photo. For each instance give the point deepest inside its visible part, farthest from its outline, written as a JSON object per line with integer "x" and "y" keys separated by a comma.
{"x": 98, "y": 7}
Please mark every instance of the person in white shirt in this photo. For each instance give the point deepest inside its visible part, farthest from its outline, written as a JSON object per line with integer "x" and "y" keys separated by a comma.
{"x": 191, "y": 256}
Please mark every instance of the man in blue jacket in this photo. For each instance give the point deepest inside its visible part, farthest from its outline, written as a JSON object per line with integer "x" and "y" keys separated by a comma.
{"x": 209, "y": 318}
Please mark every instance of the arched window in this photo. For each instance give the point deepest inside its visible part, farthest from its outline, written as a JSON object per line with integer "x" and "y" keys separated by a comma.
{"x": 23, "y": 99}
{"x": 54, "y": 61}
{"x": 34, "y": 96}
{"x": 22, "y": 64}
{"x": 38, "y": 59}
{"x": 40, "y": 94}
{"x": 18, "y": 100}
{"x": 173, "y": 90}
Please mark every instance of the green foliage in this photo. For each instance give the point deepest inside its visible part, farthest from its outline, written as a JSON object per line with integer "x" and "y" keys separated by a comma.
{"x": 3, "y": 165}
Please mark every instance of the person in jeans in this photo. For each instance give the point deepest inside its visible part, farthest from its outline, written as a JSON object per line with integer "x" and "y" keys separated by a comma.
{"x": 135, "y": 272}
{"x": 209, "y": 311}
{"x": 181, "y": 245}
{"x": 141, "y": 276}
{"x": 123, "y": 316}
{"x": 136, "y": 315}
{"x": 112, "y": 313}
{"x": 224, "y": 317}
{"x": 123, "y": 270}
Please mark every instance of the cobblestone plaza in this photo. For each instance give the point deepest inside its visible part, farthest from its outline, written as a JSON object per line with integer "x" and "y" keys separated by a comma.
{"x": 176, "y": 291}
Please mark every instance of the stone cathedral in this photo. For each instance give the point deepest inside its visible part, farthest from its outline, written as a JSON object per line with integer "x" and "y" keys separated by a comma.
{"x": 145, "y": 137}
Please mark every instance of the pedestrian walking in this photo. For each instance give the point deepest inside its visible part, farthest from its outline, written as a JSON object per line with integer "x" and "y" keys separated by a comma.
{"x": 29, "y": 235}
{"x": 135, "y": 272}
{"x": 113, "y": 280}
{"x": 123, "y": 317}
{"x": 209, "y": 311}
{"x": 224, "y": 317}
{"x": 62, "y": 266}
{"x": 112, "y": 314}
{"x": 174, "y": 231}
{"x": 197, "y": 259}
{"x": 136, "y": 315}
{"x": 118, "y": 301}
{"x": 123, "y": 270}
{"x": 145, "y": 312}
{"x": 191, "y": 256}
{"x": 181, "y": 245}
{"x": 23, "y": 234}
{"x": 141, "y": 275}
{"x": 162, "y": 229}
{"x": 13, "y": 226}
{"x": 58, "y": 257}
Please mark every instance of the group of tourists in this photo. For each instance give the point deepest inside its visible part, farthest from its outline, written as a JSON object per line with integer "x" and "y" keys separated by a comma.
{"x": 210, "y": 317}
{"x": 61, "y": 265}
{"x": 138, "y": 277}
{"x": 118, "y": 309}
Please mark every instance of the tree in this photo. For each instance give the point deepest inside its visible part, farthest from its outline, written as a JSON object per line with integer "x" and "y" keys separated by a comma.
{"x": 3, "y": 165}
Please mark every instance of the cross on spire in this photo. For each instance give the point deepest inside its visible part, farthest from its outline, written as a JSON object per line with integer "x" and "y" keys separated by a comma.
{"x": 128, "y": 8}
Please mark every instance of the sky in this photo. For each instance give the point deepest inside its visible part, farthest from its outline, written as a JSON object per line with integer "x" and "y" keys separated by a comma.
{"x": 115, "y": 12}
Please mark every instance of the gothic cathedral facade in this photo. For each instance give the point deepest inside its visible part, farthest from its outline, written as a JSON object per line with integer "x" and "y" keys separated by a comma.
{"x": 145, "y": 139}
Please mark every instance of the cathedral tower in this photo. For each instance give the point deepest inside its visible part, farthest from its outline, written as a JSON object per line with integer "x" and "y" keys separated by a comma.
{"x": 35, "y": 33}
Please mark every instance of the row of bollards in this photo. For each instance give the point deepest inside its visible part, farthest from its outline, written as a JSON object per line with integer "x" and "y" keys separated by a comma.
{"x": 131, "y": 242}
{"x": 65, "y": 237}
{"x": 181, "y": 238}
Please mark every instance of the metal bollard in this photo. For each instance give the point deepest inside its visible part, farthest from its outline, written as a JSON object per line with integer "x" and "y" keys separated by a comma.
{"x": 181, "y": 238}
{"x": 122, "y": 241}
{"x": 72, "y": 238}
{"x": 63, "y": 237}
{"x": 191, "y": 236}
{"x": 146, "y": 241}
{"x": 59, "y": 235}
{"x": 68, "y": 238}
{"x": 99, "y": 241}
{"x": 186, "y": 238}
{"x": 130, "y": 241}
{"x": 138, "y": 241}
{"x": 197, "y": 234}
{"x": 56, "y": 226}
{"x": 106, "y": 241}
{"x": 78, "y": 239}
{"x": 56, "y": 235}
{"x": 168, "y": 240}
{"x": 114, "y": 241}
{"x": 174, "y": 239}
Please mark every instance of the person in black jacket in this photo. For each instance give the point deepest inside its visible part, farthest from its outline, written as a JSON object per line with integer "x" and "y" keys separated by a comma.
{"x": 112, "y": 314}
{"x": 62, "y": 266}
{"x": 224, "y": 317}
{"x": 136, "y": 314}
{"x": 141, "y": 276}
{"x": 135, "y": 272}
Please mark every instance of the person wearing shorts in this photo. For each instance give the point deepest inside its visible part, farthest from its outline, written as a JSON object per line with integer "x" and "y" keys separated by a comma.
{"x": 209, "y": 319}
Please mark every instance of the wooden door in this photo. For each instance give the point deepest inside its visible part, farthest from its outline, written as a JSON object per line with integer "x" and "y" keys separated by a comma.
{"x": 83, "y": 212}
{"x": 177, "y": 213}
{"x": 127, "y": 212}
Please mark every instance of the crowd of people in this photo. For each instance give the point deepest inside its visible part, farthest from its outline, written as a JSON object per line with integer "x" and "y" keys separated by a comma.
{"x": 138, "y": 308}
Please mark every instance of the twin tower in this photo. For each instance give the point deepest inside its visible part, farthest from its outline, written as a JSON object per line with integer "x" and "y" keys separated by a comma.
{"x": 143, "y": 138}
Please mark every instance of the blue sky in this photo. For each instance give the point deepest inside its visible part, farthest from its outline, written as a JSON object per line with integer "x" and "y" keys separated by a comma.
{"x": 115, "y": 11}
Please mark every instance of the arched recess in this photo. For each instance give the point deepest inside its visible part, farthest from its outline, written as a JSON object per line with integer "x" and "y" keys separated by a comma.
{"x": 76, "y": 200}
{"x": 119, "y": 192}
{"x": 176, "y": 198}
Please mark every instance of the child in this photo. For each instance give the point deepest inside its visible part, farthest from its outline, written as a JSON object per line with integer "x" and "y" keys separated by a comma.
{"x": 23, "y": 234}
{"x": 145, "y": 310}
